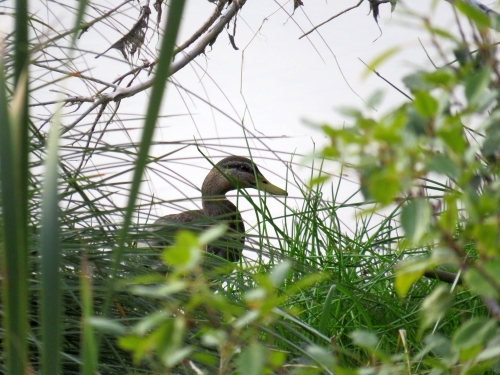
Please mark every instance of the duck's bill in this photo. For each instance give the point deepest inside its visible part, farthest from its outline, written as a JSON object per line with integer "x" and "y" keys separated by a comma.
{"x": 269, "y": 188}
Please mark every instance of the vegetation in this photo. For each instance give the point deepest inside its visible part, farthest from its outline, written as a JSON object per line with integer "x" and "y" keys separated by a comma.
{"x": 78, "y": 296}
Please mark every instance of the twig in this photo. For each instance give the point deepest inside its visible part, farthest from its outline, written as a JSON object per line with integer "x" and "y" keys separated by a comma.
{"x": 445, "y": 276}
{"x": 392, "y": 85}
{"x": 217, "y": 12}
{"x": 331, "y": 18}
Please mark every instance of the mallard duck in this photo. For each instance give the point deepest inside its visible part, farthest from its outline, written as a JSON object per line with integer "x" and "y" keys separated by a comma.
{"x": 231, "y": 173}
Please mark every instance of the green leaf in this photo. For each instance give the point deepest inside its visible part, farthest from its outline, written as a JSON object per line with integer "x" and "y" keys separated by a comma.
{"x": 476, "y": 85}
{"x": 408, "y": 273}
{"x": 379, "y": 60}
{"x": 279, "y": 273}
{"x": 443, "y": 77}
{"x": 318, "y": 181}
{"x": 364, "y": 339}
{"x": 214, "y": 338}
{"x": 383, "y": 185}
{"x": 451, "y": 134}
{"x": 321, "y": 355}
{"x": 477, "y": 16}
{"x": 375, "y": 99}
{"x": 449, "y": 215}
{"x": 442, "y": 164}
{"x": 185, "y": 254}
{"x": 107, "y": 325}
{"x": 481, "y": 285}
{"x": 148, "y": 323}
{"x": 417, "y": 81}
{"x": 252, "y": 360}
{"x": 437, "y": 344}
{"x": 474, "y": 332}
{"x": 491, "y": 351}
{"x": 435, "y": 305}
{"x": 425, "y": 104}
{"x": 415, "y": 219}
{"x": 212, "y": 234}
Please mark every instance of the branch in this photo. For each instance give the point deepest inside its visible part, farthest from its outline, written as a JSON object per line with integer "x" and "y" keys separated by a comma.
{"x": 445, "y": 276}
{"x": 476, "y": 4}
{"x": 186, "y": 58}
{"x": 217, "y": 12}
{"x": 331, "y": 18}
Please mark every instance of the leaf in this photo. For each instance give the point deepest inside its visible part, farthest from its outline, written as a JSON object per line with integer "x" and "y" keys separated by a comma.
{"x": 185, "y": 254}
{"x": 383, "y": 185}
{"x": 435, "y": 305}
{"x": 476, "y": 85}
{"x": 425, "y": 104}
{"x": 408, "y": 273}
{"x": 415, "y": 219}
{"x": 377, "y": 61}
{"x": 416, "y": 81}
{"x": 443, "y": 77}
{"x": 321, "y": 355}
{"x": 318, "y": 181}
{"x": 212, "y": 234}
{"x": 479, "y": 284}
{"x": 252, "y": 360}
{"x": 364, "y": 339}
{"x": 106, "y": 325}
{"x": 214, "y": 338}
{"x": 474, "y": 332}
{"x": 477, "y": 16}
{"x": 442, "y": 164}
{"x": 375, "y": 99}
{"x": 280, "y": 272}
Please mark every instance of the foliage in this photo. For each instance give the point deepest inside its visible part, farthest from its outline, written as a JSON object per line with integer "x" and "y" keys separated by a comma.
{"x": 436, "y": 157}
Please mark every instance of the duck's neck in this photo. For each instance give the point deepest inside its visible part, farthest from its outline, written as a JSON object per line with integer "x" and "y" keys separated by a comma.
{"x": 213, "y": 195}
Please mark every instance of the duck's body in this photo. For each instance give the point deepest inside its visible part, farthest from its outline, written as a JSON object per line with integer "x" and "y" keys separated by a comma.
{"x": 229, "y": 174}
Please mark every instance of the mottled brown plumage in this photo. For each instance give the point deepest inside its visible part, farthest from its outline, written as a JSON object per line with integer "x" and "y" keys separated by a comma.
{"x": 231, "y": 173}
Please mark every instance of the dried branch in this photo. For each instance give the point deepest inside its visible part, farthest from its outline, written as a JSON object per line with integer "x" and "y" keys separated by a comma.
{"x": 374, "y": 4}
{"x": 181, "y": 62}
{"x": 331, "y": 18}
{"x": 83, "y": 27}
{"x": 217, "y": 12}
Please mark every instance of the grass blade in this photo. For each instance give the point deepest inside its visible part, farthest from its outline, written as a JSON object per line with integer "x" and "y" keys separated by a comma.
{"x": 162, "y": 74}
{"x": 14, "y": 187}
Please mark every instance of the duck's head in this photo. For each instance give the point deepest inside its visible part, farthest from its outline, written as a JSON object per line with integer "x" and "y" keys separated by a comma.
{"x": 236, "y": 172}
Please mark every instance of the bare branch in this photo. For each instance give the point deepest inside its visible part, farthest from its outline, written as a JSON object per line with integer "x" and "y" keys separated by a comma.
{"x": 185, "y": 59}
{"x": 331, "y": 18}
{"x": 217, "y": 12}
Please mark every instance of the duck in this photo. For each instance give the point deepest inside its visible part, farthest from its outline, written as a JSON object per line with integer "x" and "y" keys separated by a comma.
{"x": 231, "y": 173}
